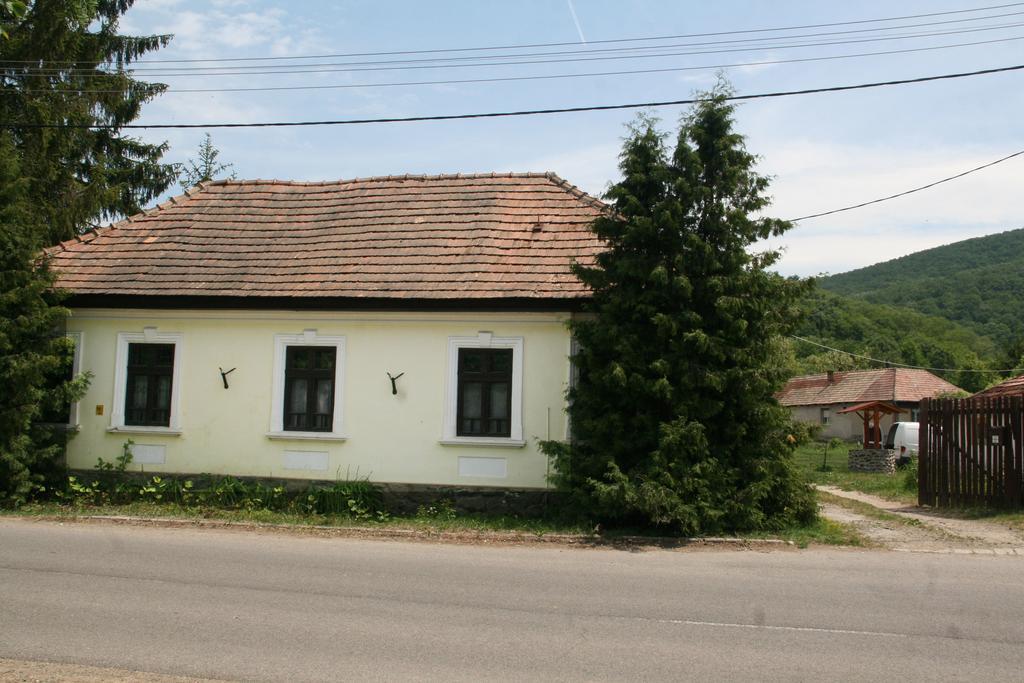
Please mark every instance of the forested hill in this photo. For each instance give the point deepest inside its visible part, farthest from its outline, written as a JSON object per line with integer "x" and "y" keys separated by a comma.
{"x": 978, "y": 283}
{"x": 895, "y": 334}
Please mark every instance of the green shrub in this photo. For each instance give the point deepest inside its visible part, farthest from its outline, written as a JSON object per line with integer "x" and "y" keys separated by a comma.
{"x": 357, "y": 498}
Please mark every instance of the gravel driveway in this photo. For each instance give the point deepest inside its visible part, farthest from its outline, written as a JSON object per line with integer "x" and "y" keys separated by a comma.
{"x": 912, "y": 528}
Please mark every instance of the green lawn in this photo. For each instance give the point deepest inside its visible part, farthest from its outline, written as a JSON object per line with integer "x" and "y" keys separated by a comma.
{"x": 836, "y": 473}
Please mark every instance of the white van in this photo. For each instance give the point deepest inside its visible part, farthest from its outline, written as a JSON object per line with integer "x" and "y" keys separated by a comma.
{"x": 902, "y": 438}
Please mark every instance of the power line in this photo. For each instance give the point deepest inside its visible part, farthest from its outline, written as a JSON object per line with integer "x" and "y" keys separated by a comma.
{"x": 823, "y": 40}
{"x": 502, "y": 79}
{"x": 894, "y": 363}
{"x": 356, "y": 67}
{"x": 572, "y": 43}
{"x": 916, "y": 189}
{"x": 527, "y": 112}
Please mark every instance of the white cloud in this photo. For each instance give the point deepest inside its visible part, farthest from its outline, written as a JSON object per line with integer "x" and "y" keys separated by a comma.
{"x": 813, "y": 177}
{"x": 247, "y": 29}
{"x": 222, "y": 26}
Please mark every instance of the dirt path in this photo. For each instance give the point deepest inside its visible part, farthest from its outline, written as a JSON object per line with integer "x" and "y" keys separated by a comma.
{"x": 899, "y": 526}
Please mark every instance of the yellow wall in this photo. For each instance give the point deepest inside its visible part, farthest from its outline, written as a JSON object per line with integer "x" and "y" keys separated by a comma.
{"x": 389, "y": 438}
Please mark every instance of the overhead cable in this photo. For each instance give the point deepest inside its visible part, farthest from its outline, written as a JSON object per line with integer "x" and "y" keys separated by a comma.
{"x": 503, "y": 79}
{"x": 906, "y": 192}
{"x": 358, "y": 67}
{"x": 527, "y": 112}
{"x": 578, "y": 43}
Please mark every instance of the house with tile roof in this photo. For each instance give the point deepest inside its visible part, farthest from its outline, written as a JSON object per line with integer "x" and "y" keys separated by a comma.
{"x": 819, "y": 398}
{"x": 1011, "y": 387}
{"x": 408, "y": 329}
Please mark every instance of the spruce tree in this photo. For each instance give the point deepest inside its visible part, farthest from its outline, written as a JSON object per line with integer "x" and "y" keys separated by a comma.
{"x": 35, "y": 357}
{"x": 673, "y": 418}
{"x": 204, "y": 167}
{"x": 63, "y": 62}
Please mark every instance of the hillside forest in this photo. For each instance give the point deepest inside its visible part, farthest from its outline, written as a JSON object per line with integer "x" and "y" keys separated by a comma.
{"x": 958, "y": 306}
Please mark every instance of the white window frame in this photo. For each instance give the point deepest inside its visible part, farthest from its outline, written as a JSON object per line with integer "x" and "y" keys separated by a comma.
{"x": 149, "y": 335}
{"x": 484, "y": 340}
{"x": 307, "y": 338}
{"x": 825, "y": 415}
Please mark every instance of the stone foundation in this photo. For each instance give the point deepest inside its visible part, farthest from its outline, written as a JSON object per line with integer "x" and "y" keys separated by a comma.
{"x": 873, "y": 460}
{"x": 406, "y": 498}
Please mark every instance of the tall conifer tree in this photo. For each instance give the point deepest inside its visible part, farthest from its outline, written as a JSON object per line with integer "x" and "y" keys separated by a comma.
{"x": 673, "y": 417}
{"x": 35, "y": 358}
{"x": 63, "y": 62}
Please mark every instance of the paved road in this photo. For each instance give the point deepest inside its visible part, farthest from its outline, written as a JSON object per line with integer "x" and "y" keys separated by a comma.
{"x": 244, "y": 605}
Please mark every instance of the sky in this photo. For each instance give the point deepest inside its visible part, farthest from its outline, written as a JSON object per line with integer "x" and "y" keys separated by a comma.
{"x": 823, "y": 151}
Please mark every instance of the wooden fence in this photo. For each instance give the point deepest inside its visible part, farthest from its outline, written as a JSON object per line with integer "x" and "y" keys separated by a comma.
{"x": 971, "y": 452}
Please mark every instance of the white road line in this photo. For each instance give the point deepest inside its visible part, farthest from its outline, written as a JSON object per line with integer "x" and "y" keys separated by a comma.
{"x": 802, "y": 629}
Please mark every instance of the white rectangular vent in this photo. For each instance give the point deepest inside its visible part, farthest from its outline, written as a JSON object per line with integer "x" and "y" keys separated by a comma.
{"x": 147, "y": 454}
{"x": 306, "y": 460}
{"x": 494, "y": 468}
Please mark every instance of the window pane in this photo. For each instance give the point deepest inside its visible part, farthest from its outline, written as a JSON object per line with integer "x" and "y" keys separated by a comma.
{"x": 499, "y": 400}
{"x": 471, "y": 360}
{"x": 163, "y": 392}
{"x": 325, "y": 359}
{"x": 472, "y": 399}
{"x": 139, "y": 391}
{"x": 163, "y": 354}
{"x": 501, "y": 360}
{"x": 135, "y": 354}
{"x": 298, "y": 358}
{"x": 298, "y": 396}
{"x": 324, "y": 394}
{"x": 472, "y": 408}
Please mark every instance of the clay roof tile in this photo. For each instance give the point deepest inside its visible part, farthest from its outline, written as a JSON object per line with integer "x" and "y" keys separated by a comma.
{"x": 456, "y": 236}
{"x": 887, "y": 384}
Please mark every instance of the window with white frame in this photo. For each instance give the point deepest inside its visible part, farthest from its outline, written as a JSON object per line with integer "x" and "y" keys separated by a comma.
{"x": 484, "y": 401}
{"x": 308, "y": 386}
{"x": 825, "y": 415}
{"x": 147, "y": 381}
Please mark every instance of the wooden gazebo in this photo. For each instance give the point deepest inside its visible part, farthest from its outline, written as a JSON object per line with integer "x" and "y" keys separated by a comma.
{"x": 872, "y": 412}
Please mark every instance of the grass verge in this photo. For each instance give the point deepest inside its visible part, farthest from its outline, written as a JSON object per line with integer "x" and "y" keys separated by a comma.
{"x": 496, "y": 523}
{"x": 822, "y": 531}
